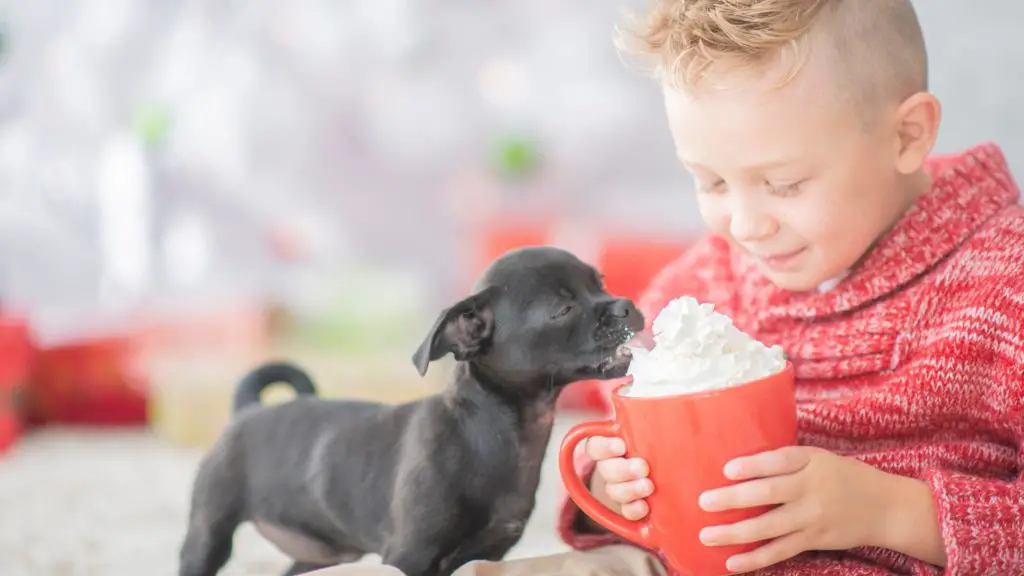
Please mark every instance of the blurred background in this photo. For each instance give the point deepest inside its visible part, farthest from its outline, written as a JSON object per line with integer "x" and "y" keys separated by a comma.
{"x": 189, "y": 187}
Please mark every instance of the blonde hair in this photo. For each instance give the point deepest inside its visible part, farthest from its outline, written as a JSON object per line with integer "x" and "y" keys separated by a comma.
{"x": 877, "y": 44}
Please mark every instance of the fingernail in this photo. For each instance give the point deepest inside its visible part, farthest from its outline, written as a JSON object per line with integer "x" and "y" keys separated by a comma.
{"x": 707, "y": 536}
{"x": 618, "y": 446}
{"x": 733, "y": 564}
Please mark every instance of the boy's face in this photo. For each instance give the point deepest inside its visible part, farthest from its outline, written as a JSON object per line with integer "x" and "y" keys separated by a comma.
{"x": 790, "y": 175}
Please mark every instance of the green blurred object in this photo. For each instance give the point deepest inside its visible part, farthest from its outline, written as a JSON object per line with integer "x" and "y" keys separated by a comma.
{"x": 515, "y": 156}
{"x": 4, "y": 40}
{"x": 360, "y": 310}
{"x": 153, "y": 123}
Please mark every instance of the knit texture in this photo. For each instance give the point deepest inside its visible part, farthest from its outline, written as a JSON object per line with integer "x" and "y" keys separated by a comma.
{"x": 913, "y": 363}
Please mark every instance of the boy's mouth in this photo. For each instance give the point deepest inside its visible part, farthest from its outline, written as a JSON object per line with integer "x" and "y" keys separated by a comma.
{"x": 783, "y": 260}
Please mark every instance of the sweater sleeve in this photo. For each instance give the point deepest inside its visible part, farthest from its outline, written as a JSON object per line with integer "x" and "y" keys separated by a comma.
{"x": 981, "y": 517}
{"x": 694, "y": 273}
{"x": 982, "y": 522}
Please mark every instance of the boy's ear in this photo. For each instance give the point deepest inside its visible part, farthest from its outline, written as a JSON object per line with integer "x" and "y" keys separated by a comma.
{"x": 465, "y": 330}
{"x": 917, "y": 128}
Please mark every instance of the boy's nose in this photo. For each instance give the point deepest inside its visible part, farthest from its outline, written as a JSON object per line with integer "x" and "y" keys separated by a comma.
{"x": 751, "y": 225}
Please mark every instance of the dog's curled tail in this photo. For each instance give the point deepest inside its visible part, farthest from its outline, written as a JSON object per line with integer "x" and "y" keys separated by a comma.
{"x": 248, "y": 391}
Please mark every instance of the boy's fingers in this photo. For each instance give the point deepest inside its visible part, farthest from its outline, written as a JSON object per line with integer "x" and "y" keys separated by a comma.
{"x": 773, "y": 463}
{"x": 761, "y": 492}
{"x": 621, "y": 470}
{"x": 627, "y": 492}
{"x": 635, "y": 510}
{"x": 601, "y": 448}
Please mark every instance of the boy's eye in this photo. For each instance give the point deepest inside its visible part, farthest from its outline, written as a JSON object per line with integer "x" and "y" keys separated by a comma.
{"x": 717, "y": 187}
{"x": 785, "y": 188}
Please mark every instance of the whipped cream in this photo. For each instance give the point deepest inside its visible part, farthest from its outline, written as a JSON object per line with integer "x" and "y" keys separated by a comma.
{"x": 697, "y": 349}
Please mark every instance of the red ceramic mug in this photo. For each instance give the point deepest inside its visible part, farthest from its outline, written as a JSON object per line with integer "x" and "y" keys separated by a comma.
{"x": 687, "y": 440}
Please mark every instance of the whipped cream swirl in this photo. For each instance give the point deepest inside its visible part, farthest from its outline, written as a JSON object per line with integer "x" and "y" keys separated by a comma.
{"x": 697, "y": 349}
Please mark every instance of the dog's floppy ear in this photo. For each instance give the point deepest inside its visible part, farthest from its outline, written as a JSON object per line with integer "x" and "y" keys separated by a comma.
{"x": 465, "y": 330}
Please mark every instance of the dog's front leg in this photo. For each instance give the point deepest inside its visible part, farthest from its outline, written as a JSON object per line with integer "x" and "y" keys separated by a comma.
{"x": 412, "y": 558}
{"x": 487, "y": 544}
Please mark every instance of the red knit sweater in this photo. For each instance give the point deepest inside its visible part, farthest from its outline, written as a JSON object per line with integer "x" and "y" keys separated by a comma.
{"x": 913, "y": 363}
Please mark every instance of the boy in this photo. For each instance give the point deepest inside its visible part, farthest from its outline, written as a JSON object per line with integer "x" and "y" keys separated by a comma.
{"x": 892, "y": 280}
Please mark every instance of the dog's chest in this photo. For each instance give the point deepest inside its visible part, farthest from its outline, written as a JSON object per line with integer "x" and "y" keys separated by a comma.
{"x": 514, "y": 507}
{"x": 533, "y": 443}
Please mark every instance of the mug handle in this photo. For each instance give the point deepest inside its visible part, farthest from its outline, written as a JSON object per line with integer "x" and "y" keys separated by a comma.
{"x": 637, "y": 532}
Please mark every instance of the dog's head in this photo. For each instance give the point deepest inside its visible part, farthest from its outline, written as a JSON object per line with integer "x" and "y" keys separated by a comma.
{"x": 540, "y": 317}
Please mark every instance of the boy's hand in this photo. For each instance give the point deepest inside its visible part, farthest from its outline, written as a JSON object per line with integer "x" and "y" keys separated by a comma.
{"x": 625, "y": 482}
{"x": 827, "y": 502}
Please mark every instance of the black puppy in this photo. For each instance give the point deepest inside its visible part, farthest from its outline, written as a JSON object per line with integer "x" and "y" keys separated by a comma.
{"x": 428, "y": 485}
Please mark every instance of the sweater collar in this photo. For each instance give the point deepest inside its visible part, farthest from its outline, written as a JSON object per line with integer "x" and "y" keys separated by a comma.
{"x": 968, "y": 189}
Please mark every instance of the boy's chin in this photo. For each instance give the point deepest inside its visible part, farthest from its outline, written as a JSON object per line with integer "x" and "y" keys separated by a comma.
{"x": 796, "y": 280}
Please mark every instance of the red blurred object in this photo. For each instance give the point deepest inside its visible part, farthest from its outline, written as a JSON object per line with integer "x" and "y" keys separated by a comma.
{"x": 16, "y": 353}
{"x": 628, "y": 261}
{"x": 500, "y": 237}
{"x": 89, "y": 382}
{"x": 103, "y": 380}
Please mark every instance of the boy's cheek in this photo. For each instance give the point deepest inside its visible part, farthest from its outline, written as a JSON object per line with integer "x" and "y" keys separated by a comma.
{"x": 716, "y": 219}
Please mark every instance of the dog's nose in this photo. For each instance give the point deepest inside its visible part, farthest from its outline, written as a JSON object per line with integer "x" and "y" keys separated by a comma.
{"x": 622, "y": 308}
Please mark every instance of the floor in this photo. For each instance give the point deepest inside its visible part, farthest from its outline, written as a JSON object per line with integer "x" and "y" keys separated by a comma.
{"x": 114, "y": 503}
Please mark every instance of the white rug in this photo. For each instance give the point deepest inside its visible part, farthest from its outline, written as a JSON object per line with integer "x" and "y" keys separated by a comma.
{"x": 113, "y": 503}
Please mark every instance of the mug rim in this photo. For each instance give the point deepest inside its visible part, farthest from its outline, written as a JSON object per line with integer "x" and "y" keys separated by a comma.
{"x": 617, "y": 392}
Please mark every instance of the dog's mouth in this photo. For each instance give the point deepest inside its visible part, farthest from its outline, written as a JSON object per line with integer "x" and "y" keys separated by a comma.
{"x": 616, "y": 364}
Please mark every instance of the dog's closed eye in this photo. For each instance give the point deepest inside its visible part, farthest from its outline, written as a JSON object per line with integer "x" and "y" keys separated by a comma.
{"x": 567, "y": 306}
{"x": 563, "y": 311}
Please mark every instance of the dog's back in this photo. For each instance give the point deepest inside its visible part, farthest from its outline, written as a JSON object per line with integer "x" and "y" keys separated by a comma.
{"x": 297, "y": 438}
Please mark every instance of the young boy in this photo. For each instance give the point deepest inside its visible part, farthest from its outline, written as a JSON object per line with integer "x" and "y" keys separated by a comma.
{"x": 893, "y": 281}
